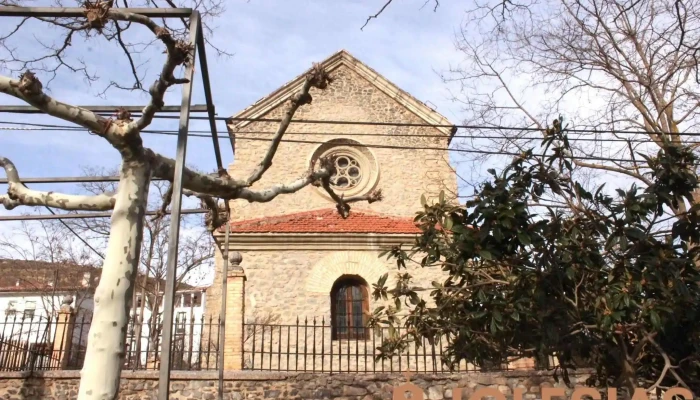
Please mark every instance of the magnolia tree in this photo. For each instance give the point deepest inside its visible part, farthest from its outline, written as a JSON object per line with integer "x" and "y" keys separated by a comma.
{"x": 101, "y": 371}
{"x": 605, "y": 282}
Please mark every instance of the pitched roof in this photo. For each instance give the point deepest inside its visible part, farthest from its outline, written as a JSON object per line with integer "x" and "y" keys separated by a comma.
{"x": 340, "y": 58}
{"x": 326, "y": 221}
{"x": 43, "y": 276}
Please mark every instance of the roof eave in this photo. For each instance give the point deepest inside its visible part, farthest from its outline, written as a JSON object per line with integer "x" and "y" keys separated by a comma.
{"x": 314, "y": 241}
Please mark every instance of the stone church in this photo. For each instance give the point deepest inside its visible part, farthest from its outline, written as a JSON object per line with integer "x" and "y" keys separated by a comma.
{"x": 300, "y": 258}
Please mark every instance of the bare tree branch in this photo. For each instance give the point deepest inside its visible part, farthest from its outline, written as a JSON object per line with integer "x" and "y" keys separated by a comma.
{"x": 437, "y": 4}
{"x": 317, "y": 78}
{"x": 377, "y": 14}
{"x": 29, "y": 89}
{"x": 606, "y": 65}
{"x": 19, "y": 194}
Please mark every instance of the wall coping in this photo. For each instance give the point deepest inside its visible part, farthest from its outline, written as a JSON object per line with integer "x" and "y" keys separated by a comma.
{"x": 314, "y": 241}
{"x": 277, "y": 376}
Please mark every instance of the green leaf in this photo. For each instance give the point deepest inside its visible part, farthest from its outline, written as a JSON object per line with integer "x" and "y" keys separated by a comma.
{"x": 494, "y": 329}
{"x": 497, "y": 315}
{"x": 655, "y": 320}
{"x": 448, "y": 223}
{"x": 524, "y": 238}
{"x": 570, "y": 273}
{"x": 485, "y": 254}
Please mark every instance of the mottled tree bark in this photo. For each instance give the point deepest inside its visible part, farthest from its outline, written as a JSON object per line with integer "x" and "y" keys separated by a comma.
{"x": 107, "y": 336}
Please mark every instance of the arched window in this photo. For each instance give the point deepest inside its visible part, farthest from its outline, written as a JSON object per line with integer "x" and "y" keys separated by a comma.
{"x": 349, "y": 304}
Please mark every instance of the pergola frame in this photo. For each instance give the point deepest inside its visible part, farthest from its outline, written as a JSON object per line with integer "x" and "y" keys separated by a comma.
{"x": 198, "y": 43}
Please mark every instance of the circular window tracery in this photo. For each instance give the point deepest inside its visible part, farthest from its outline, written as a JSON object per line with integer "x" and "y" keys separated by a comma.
{"x": 348, "y": 173}
{"x": 356, "y": 170}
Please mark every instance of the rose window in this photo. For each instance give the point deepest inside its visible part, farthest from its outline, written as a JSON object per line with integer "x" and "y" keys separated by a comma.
{"x": 356, "y": 169}
{"x": 347, "y": 172}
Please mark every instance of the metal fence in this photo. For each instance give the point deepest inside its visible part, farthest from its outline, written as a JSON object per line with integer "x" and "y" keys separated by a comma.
{"x": 46, "y": 343}
{"x": 318, "y": 347}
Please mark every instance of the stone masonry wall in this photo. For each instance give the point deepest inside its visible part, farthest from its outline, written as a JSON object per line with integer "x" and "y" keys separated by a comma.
{"x": 288, "y": 288}
{"x": 405, "y": 175}
{"x": 278, "y": 282}
{"x": 281, "y": 282}
{"x": 255, "y": 385}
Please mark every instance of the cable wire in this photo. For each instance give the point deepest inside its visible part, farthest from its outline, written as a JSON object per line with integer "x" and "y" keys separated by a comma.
{"x": 202, "y": 133}
{"x": 484, "y": 152}
{"x": 76, "y": 234}
{"x": 415, "y": 125}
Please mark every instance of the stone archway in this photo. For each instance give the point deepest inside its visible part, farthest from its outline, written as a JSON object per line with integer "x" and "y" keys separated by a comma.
{"x": 326, "y": 271}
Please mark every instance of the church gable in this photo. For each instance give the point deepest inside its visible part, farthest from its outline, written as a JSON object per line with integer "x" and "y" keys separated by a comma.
{"x": 366, "y": 95}
{"x": 404, "y": 161}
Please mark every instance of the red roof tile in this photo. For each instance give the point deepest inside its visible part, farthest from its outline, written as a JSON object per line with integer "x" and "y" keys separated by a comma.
{"x": 327, "y": 221}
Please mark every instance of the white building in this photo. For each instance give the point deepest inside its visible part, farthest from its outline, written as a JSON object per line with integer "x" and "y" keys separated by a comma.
{"x": 32, "y": 292}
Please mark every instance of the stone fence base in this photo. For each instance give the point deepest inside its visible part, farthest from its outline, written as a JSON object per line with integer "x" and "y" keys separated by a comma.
{"x": 55, "y": 385}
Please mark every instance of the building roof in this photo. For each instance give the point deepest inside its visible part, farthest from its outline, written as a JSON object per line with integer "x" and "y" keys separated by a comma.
{"x": 327, "y": 221}
{"x": 43, "y": 276}
{"x": 343, "y": 58}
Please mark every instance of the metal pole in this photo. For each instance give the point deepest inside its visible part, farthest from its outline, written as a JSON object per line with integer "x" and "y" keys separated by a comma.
{"x": 209, "y": 100}
{"x": 71, "y": 179}
{"x": 208, "y": 96}
{"x": 87, "y": 215}
{"x": 102, "y": 109}
{"x": 12, "y": 11}
{"x": 222, "y": 316}
{"x": 165, "y": 361}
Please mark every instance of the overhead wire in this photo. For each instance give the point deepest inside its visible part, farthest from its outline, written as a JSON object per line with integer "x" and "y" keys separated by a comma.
{"x": 202, "y": 133}
{"x": 485, "y": 152}
{"x": 416, "y": 125}
{"x": 76, "y": 235}
{"x": 398, "y": 124}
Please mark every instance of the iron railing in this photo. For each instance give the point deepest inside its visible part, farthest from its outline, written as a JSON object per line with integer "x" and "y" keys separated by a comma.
{"x": 50, "y": 343}
{"x": 319, "y": 347}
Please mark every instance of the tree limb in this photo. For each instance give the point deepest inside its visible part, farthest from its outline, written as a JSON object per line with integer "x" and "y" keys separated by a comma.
{"x": 179, "y": 52}
{"x": 266, "y": 195}
{"x": 667, "y": 365}
{"x": 18, "y": 194}
{"x": 316, "y": 77}
{"x": 342, "y": 204}
{"x": 377, "y": 14}
{"x": 29, "y": 89}
{"x": 216, "y": 217}
{"x": 633, "y": 174}
{"x": 216, "y": 186}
